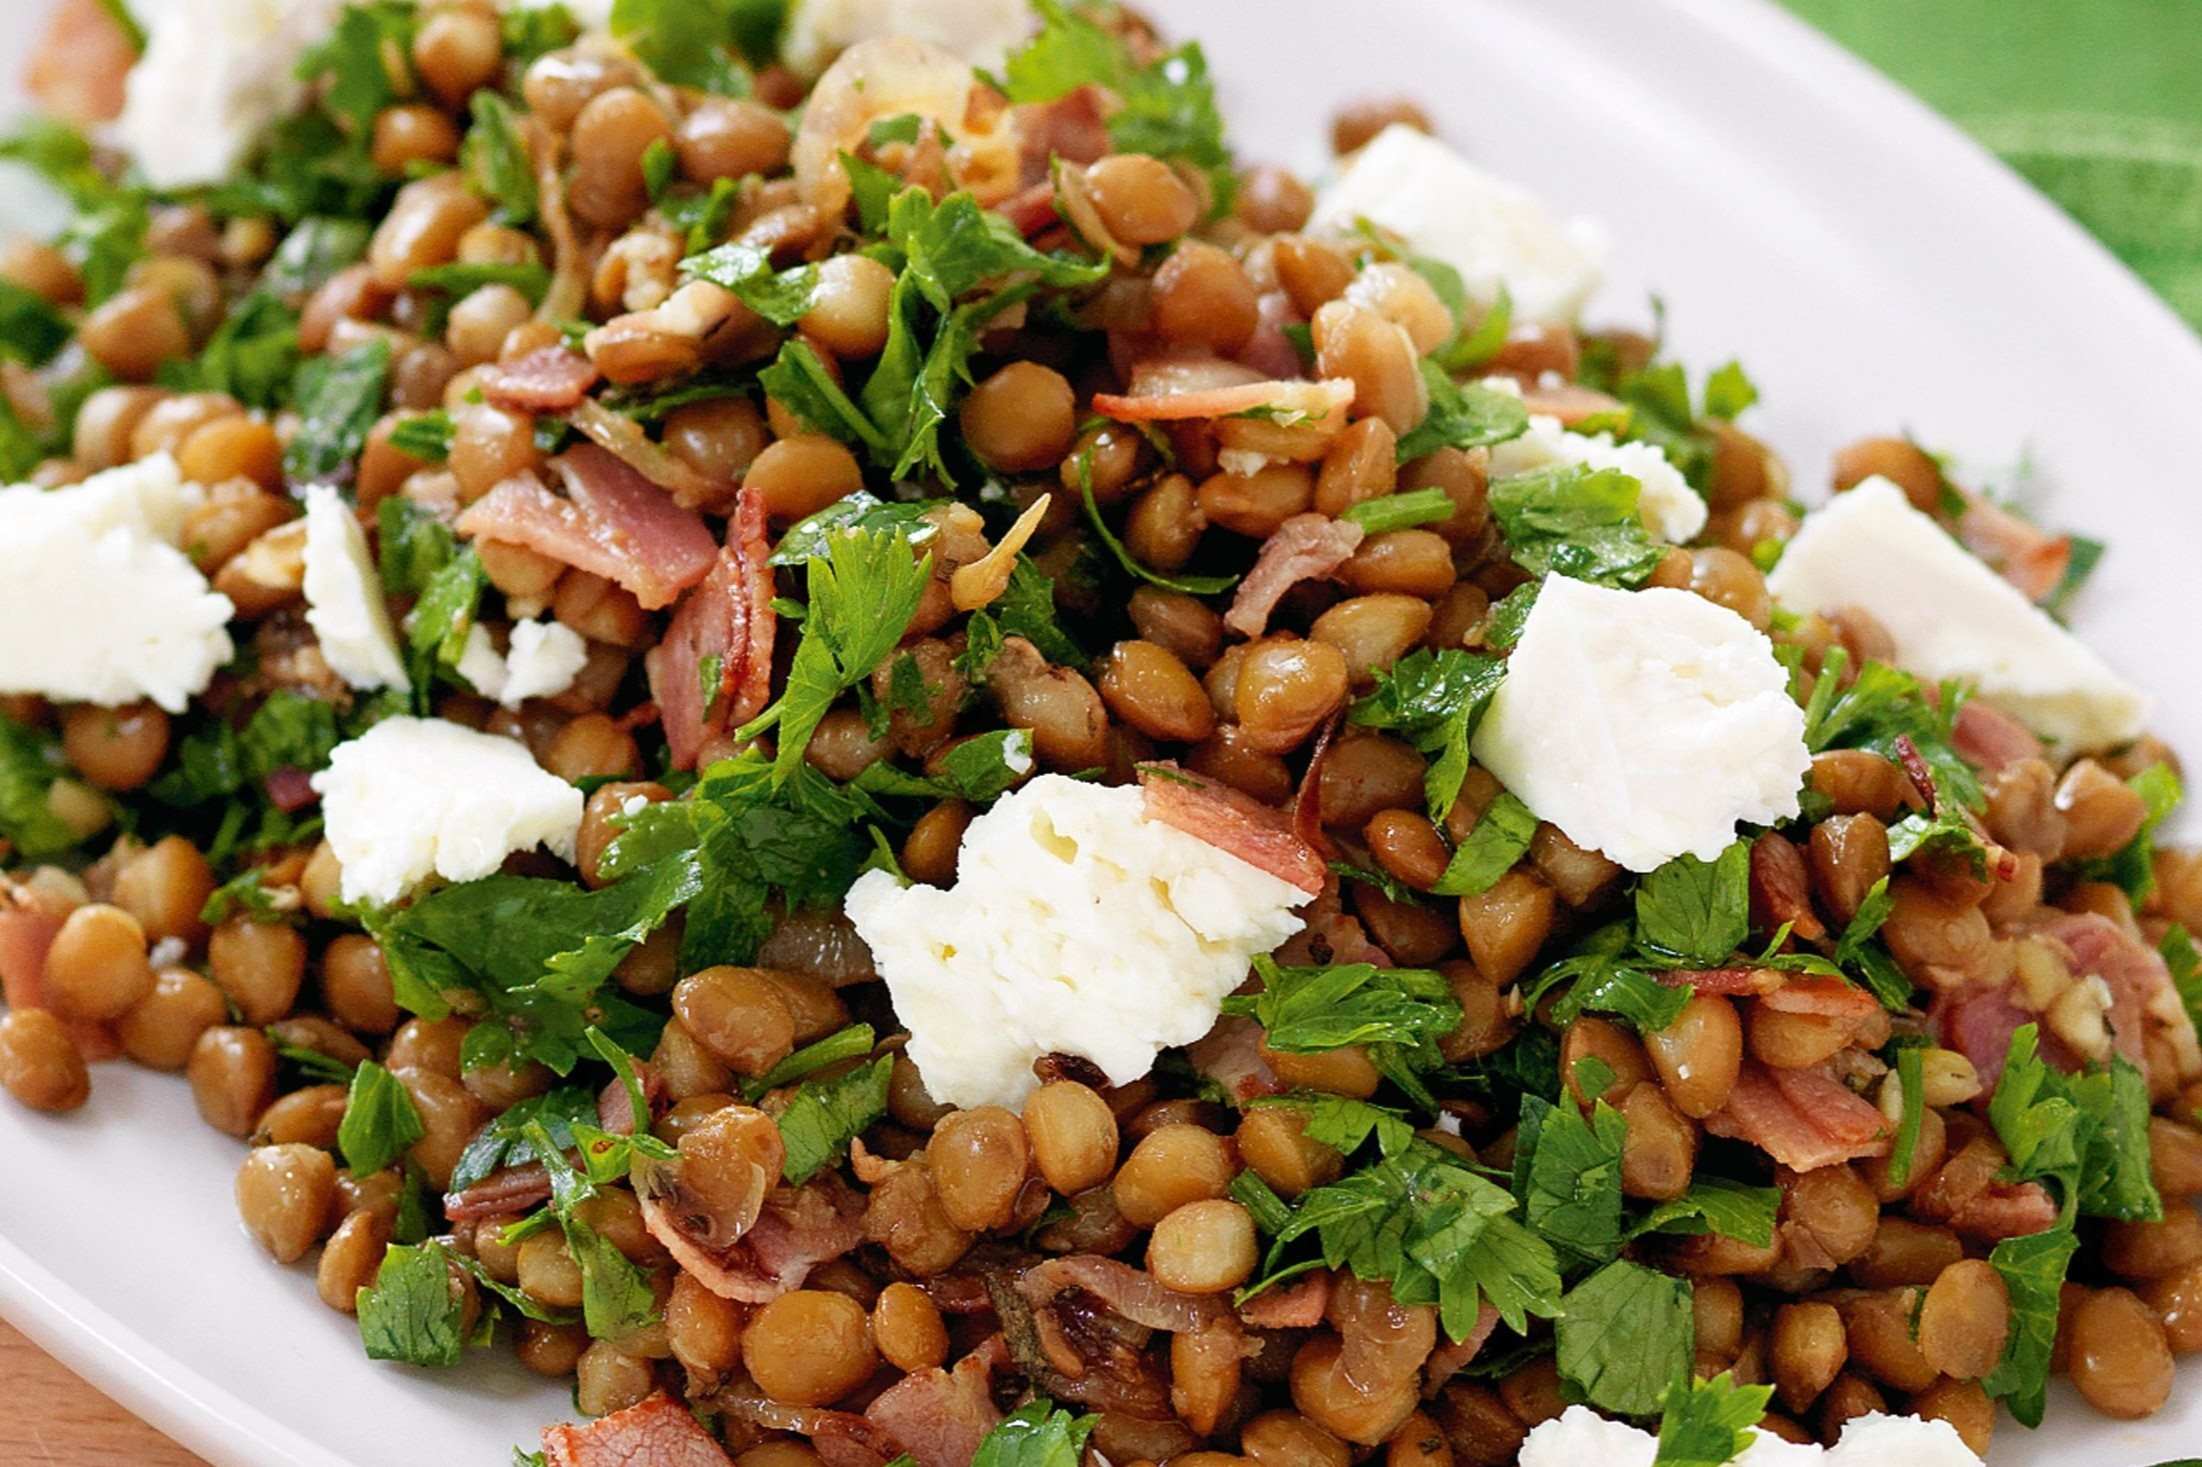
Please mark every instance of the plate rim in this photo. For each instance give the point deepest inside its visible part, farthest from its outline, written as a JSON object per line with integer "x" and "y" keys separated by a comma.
{"x": 1847, "y": 98}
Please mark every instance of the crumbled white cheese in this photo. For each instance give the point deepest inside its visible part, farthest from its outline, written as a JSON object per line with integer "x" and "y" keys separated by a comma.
{"x": 1579, "y": 1436}
{"x": 1076, "y": 925}
{"x": 344, "y": 603}
{"x": 1645, "y": 724}
{"x": 216, "y": 74}
{"x": 105, "y": 608}
{"x": 1494, "y": 232}
{"x": 1953, "y": 616}
{"x": 542, "y": 660}
{"x": 1671, "y": 508}
{"x": 982, "y": 32}
{"x": 418, "y": 797}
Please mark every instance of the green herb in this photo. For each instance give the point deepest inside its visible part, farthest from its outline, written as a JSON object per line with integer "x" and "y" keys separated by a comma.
{"x": 1911, "y": 1078}
{"x": 221, "y": 771}
{"x": 20, "y": 449}
{"x": 1433, "y": 700}
{"x": 1027, "y": 609}
{"x": 863, "y": 591}
{"x": 1036, "y": 1434}
{"x": 1699, "y": 911}
{"x": 2087, "y": 1132}
{"x": 1422, "y": 1220}
{"x": 979, "y": 769}
{"x": 438, "y": 625}
{"x": 1707, "y": 1423}
{"x": 658, "y": 162}
{"x": 1626, "y": 1335}
{"x": 1342, "y": 1122}
{"x": 1567, "y": 1173}
{"x": 1858, "y": 951}
{"x": 338, "y": 398}
{"x": 1728, "y": 391}
{"x": 311, "y": 254}
{"x": 380, "y": 1123}
{"x": 782, "y": 297}
{"x": 616, "y": 1298}
{"x": 2086, "y": 554}
{"x": 859, "y": 512}
{"x": 1530, "y": 1065}
{"x": 1307, "y": 1010}
{"x": 2185, "y": 963}
{"x": 1882, "y": 705}
{"x": 1188, "y": 585}
{"x": 413, "y": 1312}
{"x": 2133, "y": 867}
{"x": 1576, "y": 521}
{"x": 689, "y": 43}
{"x": 530, "y": 31}
{"x": 31, "y": 331}
{"x": 826, "y": 1115}
{"x": 853, "y": 1042}
{"x": 1401, "y": 511}
{"x": 1609, "y": 974}
{"x": 243, "y": 894}
{"x": 504, "y": 1141}
{"x": 29, "y": 765}
{"x": 1500, "y": 838}
{"x": 799, "y": 382}
{"x": 462, "y": 278}
{"x": 1462, "y": 415}
{"x": 1169, "y": 105}
{"x": 1715, "y": 1205}
{"x": 357, "y": 58}
{"x": 2033, "y": 1269}
{"x": 497, "y": 161}
{"x": 425, "y": 436}
{"x": 252, "y": 355}
{"x": 1472, "y": 348}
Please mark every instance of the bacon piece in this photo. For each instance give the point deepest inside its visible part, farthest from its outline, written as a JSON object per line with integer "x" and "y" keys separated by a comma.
{"x": 1569, "y": 402}
{"x": 1728, "y": 982}
{"x": 1780, "y": 889}
{"x": 1305, "y": 547}
{"x": 1073, "y": 127}
{"x": 1230, "y": 1055}
{"x": 1233, "y": 822}
{"x": 1269, "y": 351}
{"x": 550, "y": 379}
{"x": 2026, "y": 555}
{"x": 1168, "y": 393}
{"x": 1826, "y": 998}
{"x": 1032, "y": 208}
{"x": 80, "y": 66}
{"x": 1451, "y": 1356}
{"x": 506, "y": 1192}
{"x": 798, "y": 1229}
{"x": 1297, "y": 1305}
{"x": 726, "y": 622}
{"x": 289, "y": 790}
{"x": 1988, "y": 738}
{"x": 1804, "y": 1119}
{"x": 2006, "y": 1210}
{"x": 615, "y": 1108}
{"x": 617, "y": 525}
{"x": 657, "y": 1432}
{"x": 1307, "y": 800}
{"x": 1978, "y": 1023}
{"x": 938, "y": 1416}
{"x": 2141, "y": 990}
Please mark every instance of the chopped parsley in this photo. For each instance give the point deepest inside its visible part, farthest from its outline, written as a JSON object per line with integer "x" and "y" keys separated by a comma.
{"x": 1698, "y": 911}
{"x": 1461, "y": 415}
{"x": 1626, "y": 1335}
{"x": 1433, "y": 700}
{"x": 826, "y": 1115}
{"x": 1576, "y": 521}
{"x": 338, "y": 398}
{"x": 1707, "y": 1423}
{"x": 380, "y": 1121}
{"x": 414, "y": 1311}
{"x": 1500, "y": 838}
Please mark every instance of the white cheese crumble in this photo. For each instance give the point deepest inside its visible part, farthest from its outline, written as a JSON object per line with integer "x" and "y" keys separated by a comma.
{"x": 1494, "y": 232}
{"x": 1645, "y": 724}
{"x": 541, "y": 661}
{"x": 1076, "y": 925}
{"x": 418, "y": 797}
{"x": 982, "y": 32}
{"x": 1580, "y": 1435}
{"x": 344, "y": 604}
{"x": 1672, "y": 510}
{"x": 1953, "y": 616}
{"x": 216, "y": 74}
{"x": 107, "y": 609}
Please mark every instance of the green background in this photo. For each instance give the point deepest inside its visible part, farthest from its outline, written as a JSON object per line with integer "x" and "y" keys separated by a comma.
{"x": 2099, "y": 102}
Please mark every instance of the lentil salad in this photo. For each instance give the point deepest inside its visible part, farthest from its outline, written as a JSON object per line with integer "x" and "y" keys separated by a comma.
{"x": 1506, "y": 951}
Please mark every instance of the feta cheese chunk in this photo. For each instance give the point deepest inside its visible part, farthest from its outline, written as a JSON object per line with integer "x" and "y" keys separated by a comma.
{"x": 1077, "y": 925}
{"x": 1952, "y": 616}
{"x": 1672, "y": 510}
{"x": 344, "y": 604}
{"x": 216, "y": 74}
{"x": 982, "y": 32}
{"x": 418, "y": 797}
{"x": 107, "y": 609}
{"x": 1492, "y": 231}
{"x": 542, "y": 661}
{"x": 1580, "y": 1435}
{"x": 1645, "y": 724}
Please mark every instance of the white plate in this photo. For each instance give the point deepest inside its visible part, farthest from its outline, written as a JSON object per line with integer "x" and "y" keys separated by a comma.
{"x": 1873, "y": 269}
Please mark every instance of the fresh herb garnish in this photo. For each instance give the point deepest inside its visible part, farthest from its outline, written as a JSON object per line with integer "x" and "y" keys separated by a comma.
{"x": 1433, "y": 700}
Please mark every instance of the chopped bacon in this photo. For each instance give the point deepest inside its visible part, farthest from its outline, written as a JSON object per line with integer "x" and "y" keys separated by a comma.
{"x": 550, "y": 379}
{"x": 938, "y": 1416}
{"x": 1918, "y": 771}
{"x": 798, "y": 1229}
{"x": 1978, "y": 1023}
{"x": 1307, "y": 800}
{"x": 1780, "y": 892}
{"x": 1073, "y": 127}
{"x": 2024, "y": 554}
{"x": 1988, "y": 738}
{"x": 624, "y": 439}
{"x": 615, "y": 1108}
{"x": 1305, "y": 547}
{"x": 1269, "y": 350}
{"x": 1451, "y": 1355}
{"x": 1230, "y": 1055}
{"x": 1332, "y": 935}
{"x": 725, "y": 626}
{"x": 617, "y": 525}
{"x": 1569, "y": 403}
{"x": 1032, "y": 208}
{"x": 658, "y": 1432}
{"x": 1822, "y": 997}
{"x": 1804, "y": 1119}
{"x": 289, "y": 790}
{"x": 1232, "y": 822}
{"x": 1297, "y": 1305}
{"x": 2140, "y": 985}
{"x": 505, "y": 1192}
{"x": 1170, "y": 393}
{"x": 1728, "y": 982}
{"x": 2006, "y": 1210}
{"x": 79, "y": 69}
